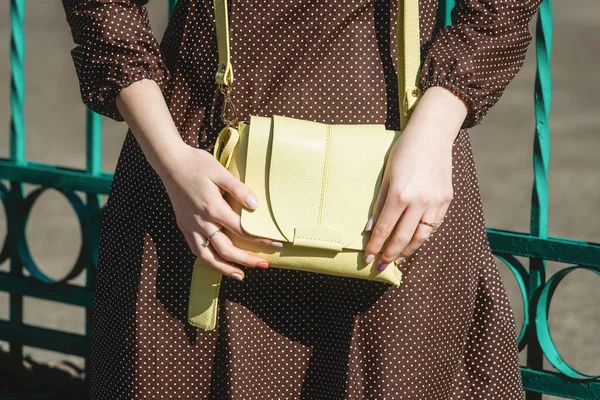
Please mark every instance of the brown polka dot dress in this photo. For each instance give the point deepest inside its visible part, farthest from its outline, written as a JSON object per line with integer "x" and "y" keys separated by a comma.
{"x": 446, "y": 333}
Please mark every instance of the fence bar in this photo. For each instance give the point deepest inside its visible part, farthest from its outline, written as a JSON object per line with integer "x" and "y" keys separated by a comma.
{"x": 172, "y": 4}
{"x": 66, "y": 294}
{"x": 93, "y": 144}
{"x": 56, "y": 177}
{"x": 17, "y": 156}
{"x": 555, "y": 384}
{"x": 541, "y": 157}
{"x": 68, "y": 343}
{"x": 17, "y": 81}
{"x": 445, "y": 7}
{"x": 562, "y": 250}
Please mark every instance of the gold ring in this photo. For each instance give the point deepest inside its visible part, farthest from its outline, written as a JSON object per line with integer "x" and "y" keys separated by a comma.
{"x": 434, "y": 225}
{"x": 210, "y": 237}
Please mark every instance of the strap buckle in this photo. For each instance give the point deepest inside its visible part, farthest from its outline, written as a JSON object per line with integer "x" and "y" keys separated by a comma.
{"x": 228, "y": 112}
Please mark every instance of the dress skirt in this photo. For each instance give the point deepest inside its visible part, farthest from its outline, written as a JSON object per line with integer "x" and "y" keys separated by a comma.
{"x": 447, "y": 332}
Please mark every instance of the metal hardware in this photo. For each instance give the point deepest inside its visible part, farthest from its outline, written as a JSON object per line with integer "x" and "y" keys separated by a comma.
{"x": 405, "y": 108}
{"x": 434, "y": 225}
{"x": 207, "y": 242}
{"x": 407, "y": 112}
{"x": 228, "y": 112}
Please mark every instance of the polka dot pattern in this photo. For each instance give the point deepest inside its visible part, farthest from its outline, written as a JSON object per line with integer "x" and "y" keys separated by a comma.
{"x": 447, "y": 332}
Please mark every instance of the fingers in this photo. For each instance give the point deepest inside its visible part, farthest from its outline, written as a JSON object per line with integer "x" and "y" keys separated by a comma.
{"x": 420, "y": 236}
{"x": 222, "y": 214}
{"x": 202, "y": 210}
{"x": 378, "y": 206}
{"x": 221, "y": 252}
{"x": 207, "y": 254}
{"x": 403, "y": 235}
{"x": 222, "y": 244}
{"x": 240, "y": 192}
{"x": 398, "y": 248}
{"x": 397, "y": 231}
{"x": 384, "y": 225}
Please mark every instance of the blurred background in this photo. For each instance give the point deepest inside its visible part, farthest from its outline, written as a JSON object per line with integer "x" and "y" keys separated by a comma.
{"x": 503, "y": 146}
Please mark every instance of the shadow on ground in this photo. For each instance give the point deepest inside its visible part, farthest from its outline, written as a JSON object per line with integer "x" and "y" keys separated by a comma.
{"x": 32, "y": 380}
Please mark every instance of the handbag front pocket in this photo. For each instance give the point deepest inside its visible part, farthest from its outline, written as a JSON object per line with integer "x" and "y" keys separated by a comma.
{"x": 316, "y": 182}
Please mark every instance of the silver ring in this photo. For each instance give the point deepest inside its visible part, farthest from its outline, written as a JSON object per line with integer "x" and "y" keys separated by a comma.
{"x": 207, "y": 242}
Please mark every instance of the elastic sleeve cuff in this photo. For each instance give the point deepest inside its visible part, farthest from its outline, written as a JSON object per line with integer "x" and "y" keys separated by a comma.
{"x": 103, "y": 99}
{"x": 475, "y": 114}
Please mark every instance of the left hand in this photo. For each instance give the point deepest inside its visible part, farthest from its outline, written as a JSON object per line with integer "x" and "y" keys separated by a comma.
{"x": 417, "y": 181}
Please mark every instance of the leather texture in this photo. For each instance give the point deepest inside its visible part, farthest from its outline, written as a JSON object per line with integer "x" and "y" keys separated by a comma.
{"x": 204, "y": 295}
{"x": 225, "y": 70}
{"x": 320, "y": 182}
{"x": 316, "y": 205}
{"x": 409, "y": 58}
{"x": 314, "y": 197}
{"x": 316, "y": 183}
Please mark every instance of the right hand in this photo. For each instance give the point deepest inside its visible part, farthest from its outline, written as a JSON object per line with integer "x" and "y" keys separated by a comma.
{"x": 195, "y": 182}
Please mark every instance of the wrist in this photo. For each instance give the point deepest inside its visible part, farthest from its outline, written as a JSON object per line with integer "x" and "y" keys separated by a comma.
{"x": 143, "y": 107}
{"x": 164, "y": 155}
{"x": 440, "y": 114}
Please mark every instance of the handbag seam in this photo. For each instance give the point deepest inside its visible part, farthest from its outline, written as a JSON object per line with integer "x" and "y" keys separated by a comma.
{"x": 325, "y": 176}
{"x": 320, "y": 240}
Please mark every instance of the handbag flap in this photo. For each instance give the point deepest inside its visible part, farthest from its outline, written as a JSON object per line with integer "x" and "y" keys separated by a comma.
{"x": 316, "y": 182}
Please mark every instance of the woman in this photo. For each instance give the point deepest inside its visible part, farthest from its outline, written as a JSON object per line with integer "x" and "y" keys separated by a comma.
{"x": 447, "y": 332}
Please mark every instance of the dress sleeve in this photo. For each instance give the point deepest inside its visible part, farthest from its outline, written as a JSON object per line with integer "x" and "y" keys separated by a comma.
{"x": 114, "y": 48}
{"x": 480, "y": 53}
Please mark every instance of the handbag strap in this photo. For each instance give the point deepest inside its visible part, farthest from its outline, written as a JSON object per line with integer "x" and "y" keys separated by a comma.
{"x": 408, "y": 53}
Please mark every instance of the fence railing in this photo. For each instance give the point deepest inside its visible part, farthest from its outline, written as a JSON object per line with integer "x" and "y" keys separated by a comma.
{"x": 535, "y": 288}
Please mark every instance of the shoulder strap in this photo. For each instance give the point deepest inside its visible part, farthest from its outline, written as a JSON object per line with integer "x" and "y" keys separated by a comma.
{"x": 408, "y": 51}
{"x": 225, "y": 71}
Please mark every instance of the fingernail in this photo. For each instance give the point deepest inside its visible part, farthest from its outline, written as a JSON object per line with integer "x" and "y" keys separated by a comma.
{"x": 262, "y": 264}
{"x": 400, "y": 259}
{"x": 276, "y": 244}
{"x": 370, "y": 223}
{"x": 382, "y": 266}
{"x": 237, "y": 276}
{"x": 369, "y": 258}
{"x": 252, "y": 201}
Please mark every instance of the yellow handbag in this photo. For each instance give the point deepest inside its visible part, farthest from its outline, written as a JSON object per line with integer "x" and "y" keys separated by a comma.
{"x": 314, "y": 197}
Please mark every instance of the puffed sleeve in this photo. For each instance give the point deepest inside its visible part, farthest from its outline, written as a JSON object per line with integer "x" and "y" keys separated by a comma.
{"x": 114, "y": 48}
{"x": 480, "y": 53}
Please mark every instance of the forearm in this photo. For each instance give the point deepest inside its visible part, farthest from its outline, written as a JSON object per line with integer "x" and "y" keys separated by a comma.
{"x": 143, "y": 107}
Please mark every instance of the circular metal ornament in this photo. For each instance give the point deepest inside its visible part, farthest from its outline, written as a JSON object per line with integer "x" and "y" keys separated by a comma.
{"x": 542, "y": 308}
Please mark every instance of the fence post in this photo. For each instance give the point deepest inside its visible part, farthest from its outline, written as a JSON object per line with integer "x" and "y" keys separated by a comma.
{"x": 541, "y": 158}
{"x": 17, "y": 155}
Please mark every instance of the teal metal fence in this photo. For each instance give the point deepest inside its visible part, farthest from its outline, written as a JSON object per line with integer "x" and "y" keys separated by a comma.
{"x": 537, "y": 246}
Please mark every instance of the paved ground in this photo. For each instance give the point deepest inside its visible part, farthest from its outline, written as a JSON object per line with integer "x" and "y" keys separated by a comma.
{"x": 503, "y": 146}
